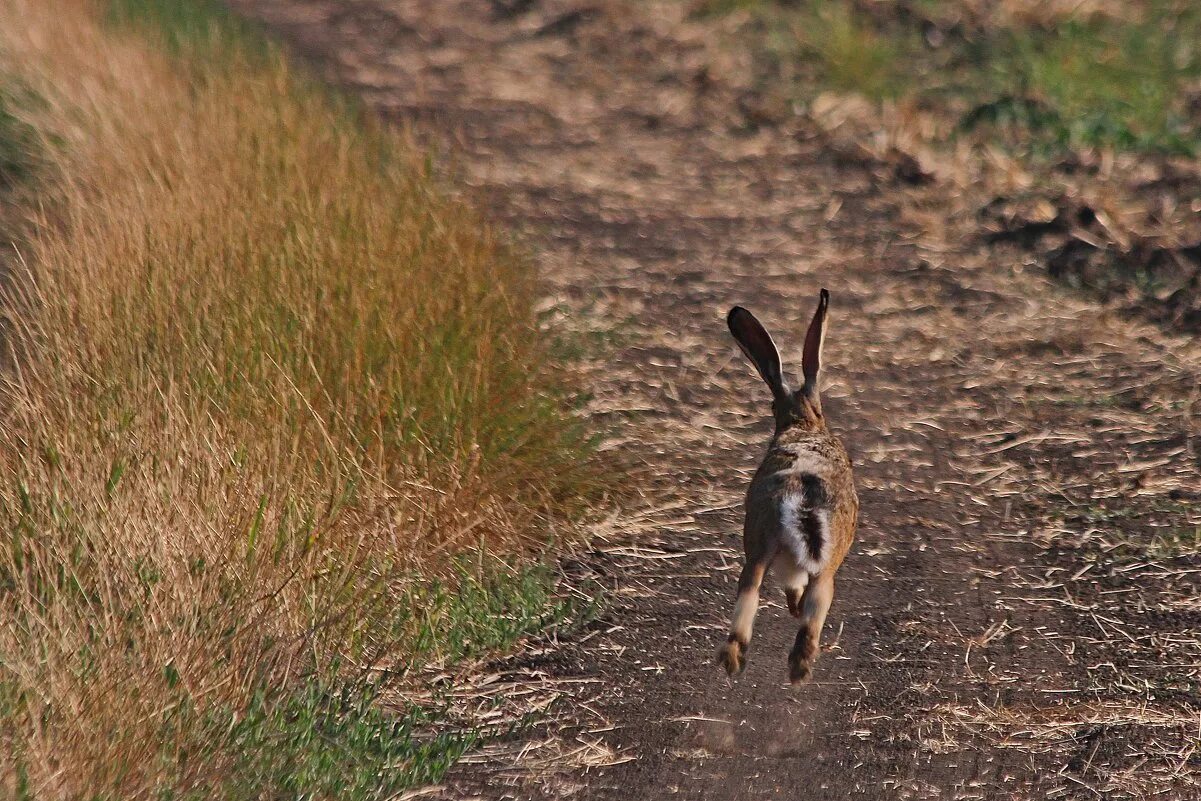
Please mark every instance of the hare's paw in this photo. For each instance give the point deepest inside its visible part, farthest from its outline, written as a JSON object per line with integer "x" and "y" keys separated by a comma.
{"x": 800, "y": 661}
{"x": 799, "y": 670}
{"x": 795, "y": 607}
{"x": 732, "y": 657}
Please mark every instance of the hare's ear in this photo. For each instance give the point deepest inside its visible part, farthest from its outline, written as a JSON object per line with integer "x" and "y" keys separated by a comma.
{"x": 811, "y": 359}
{"x": 757, "y": 344}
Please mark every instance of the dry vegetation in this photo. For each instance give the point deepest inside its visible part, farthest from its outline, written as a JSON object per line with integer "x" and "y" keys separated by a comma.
{"x": 267, "y": 381}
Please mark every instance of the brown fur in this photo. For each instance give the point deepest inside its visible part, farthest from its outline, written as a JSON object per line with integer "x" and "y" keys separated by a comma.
{"x": 801, "y": 500}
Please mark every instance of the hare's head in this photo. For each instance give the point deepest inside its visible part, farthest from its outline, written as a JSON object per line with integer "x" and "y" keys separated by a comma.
{"x": 802, "y": 408}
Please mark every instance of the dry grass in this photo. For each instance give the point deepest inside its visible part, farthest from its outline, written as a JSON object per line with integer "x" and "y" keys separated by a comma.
{"x": 1132, "y": 750}
{"x": 267, "y": 376}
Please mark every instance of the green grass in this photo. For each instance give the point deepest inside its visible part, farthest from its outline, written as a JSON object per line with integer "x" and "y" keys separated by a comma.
{"x": 326, "y": 740}
{"x": 822, "y": 46}
{"x": 1100, "y": 83}
{"x": 1075, "y": 82}
{"x": 487, "y": 607}
{"x": 851, "y": 54}
{"x": 205, "y": 26}
{"x": 20, "y": 150}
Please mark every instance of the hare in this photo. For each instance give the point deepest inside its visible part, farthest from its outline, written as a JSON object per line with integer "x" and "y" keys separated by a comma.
{"x": 801, "y": 506}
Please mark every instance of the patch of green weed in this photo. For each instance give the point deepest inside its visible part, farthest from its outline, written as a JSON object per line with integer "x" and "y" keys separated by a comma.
{"x": 325, "y": 739}
{"x": 487, "y": 607}
{"x": 20, "y": 148}
{"x": 1096, "y": 83}
{"x": 206, "y": 24}
{"x": 853, "y": 56}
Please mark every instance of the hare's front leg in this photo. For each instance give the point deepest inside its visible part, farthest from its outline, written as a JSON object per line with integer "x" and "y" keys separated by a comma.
{"x": 815, "y": 603}
{"x": 732, "y": 655}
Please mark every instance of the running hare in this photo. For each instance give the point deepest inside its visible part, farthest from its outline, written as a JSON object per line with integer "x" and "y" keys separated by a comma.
{"x": 801, "y": 507}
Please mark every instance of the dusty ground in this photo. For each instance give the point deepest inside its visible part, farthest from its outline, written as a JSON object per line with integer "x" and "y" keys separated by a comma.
{"x": 1019, "y": 617}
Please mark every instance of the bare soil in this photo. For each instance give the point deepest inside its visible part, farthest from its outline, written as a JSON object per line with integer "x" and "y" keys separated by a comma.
{"x": 1007, "y": 625}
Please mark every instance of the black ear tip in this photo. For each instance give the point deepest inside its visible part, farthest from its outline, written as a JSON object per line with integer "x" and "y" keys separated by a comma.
{"x": 825, "y": 296}
{"x": 734, "y": 314}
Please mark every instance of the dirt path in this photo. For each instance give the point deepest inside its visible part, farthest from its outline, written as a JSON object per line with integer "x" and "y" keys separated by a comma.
{"x": 984, "y": 646}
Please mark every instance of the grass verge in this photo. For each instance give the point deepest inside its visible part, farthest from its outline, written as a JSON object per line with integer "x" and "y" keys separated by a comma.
{"x": 269, "y": 384}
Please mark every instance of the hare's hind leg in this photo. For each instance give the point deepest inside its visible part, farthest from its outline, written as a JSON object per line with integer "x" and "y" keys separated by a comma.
{"x": 795, "y": 580}
{"x": 732, "y": 655}
{"x": 815, "y": 603}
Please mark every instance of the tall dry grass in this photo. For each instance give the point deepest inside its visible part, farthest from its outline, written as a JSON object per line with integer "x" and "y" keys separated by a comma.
{"x": 267, "y": 377}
